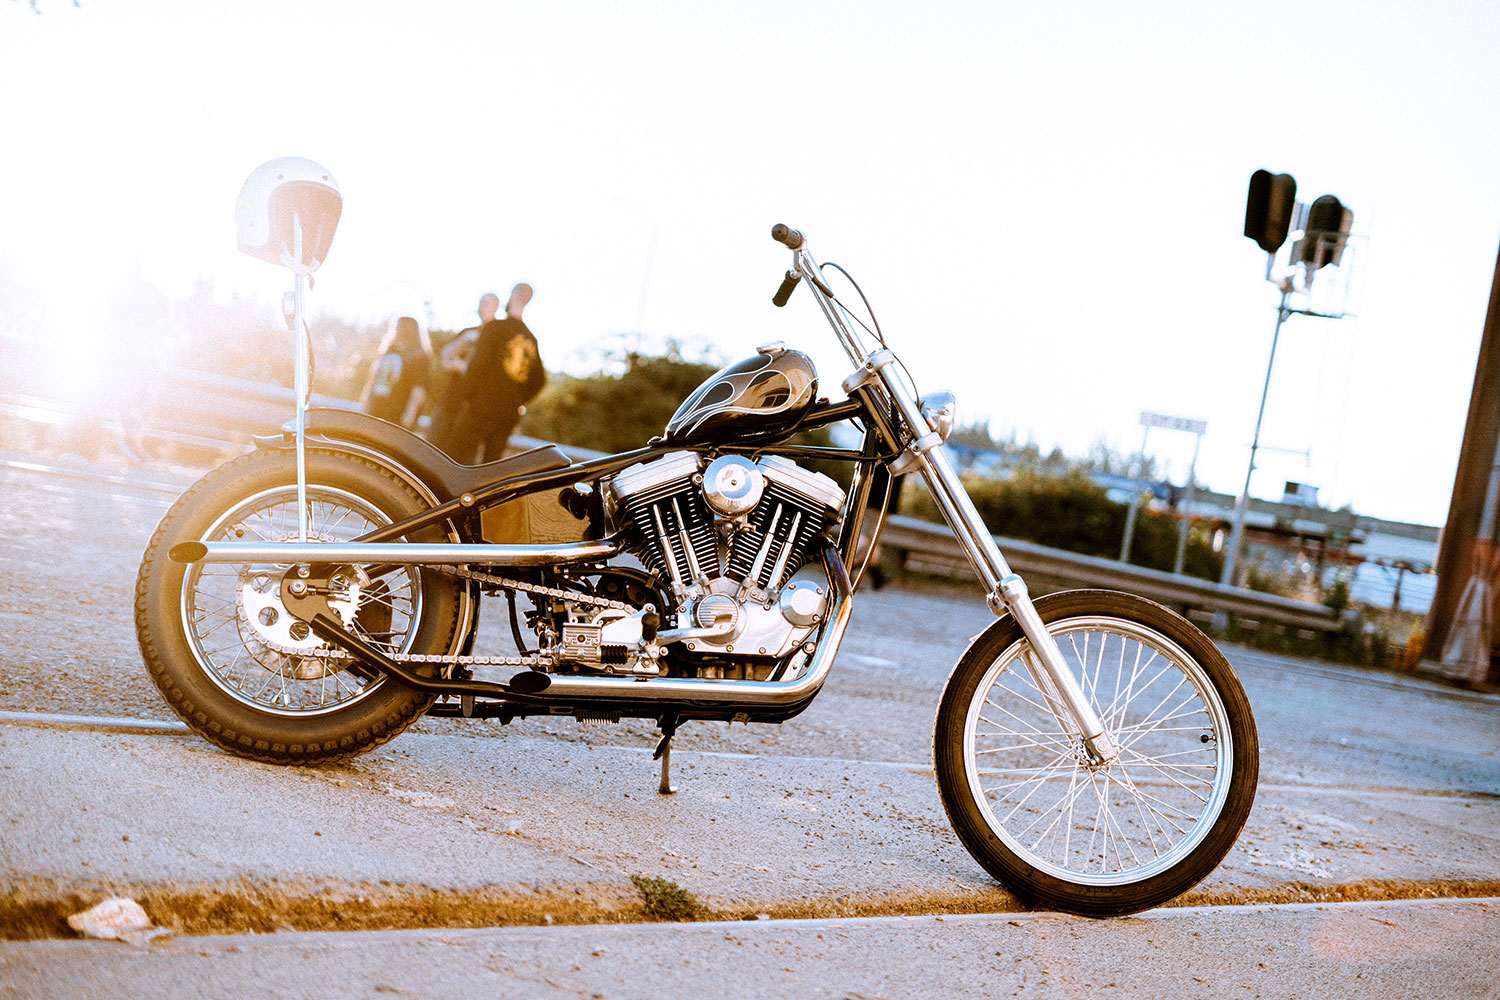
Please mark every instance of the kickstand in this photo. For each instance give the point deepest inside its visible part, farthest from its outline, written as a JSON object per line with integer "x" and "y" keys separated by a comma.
{"x": 664, "y": 754}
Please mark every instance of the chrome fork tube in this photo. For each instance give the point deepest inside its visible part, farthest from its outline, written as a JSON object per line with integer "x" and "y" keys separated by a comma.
{"x": 1006, "y": 590}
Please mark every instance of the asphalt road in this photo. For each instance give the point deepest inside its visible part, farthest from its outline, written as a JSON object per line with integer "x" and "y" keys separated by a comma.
{"x": 1374, "y": 787}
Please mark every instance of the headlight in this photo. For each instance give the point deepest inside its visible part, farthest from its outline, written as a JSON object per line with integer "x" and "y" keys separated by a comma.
{"x": 938, "y": 409}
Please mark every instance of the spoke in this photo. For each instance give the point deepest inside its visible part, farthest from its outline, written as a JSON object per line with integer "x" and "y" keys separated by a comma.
{"x": 1066, "y": 806}
{"x": 384, "y": 601}
{"x": 1171, "y": 729}
{"x": 330, "y": 528}
{"x": 249, "y": 528}
{"x": 204, "y": 634}
{"x": 1095, "y": 835}
{"x": 1176, "y": 753}
{"x": 1120, "y": 835}
{"x": 340, "y": 679}
{"x": 1166, "y": 774}
{"x": 1039, "y": 706}
{"x": 1040, "y": 781}
{"x": 1034, "y": 730}
{"x": 1067, "y": 851}
{"x": 1176, "y": 711}
{"x": 199, "y": 593}
{"x": 1132, "y": 693}
{"x": 1117, "y": 707}
{"x": 1019, "y": 746}
{"x": 1125, "y": 782}
{"x": 238, "y": 656}
{"x": 238, "y": 644}
{"x": 1063, "y": 809}
{"x": 1099, "y": 668}
{"x": 1165, "y": 698}
{"x": 271, "y": 676}
{"x": 1167, "y": 809}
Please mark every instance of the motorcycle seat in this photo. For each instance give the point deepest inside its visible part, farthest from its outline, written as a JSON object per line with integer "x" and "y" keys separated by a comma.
{"x": 447, "y": 478}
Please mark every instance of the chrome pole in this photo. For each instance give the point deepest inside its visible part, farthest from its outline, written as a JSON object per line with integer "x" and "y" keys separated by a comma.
{"x": 300, "y": 380}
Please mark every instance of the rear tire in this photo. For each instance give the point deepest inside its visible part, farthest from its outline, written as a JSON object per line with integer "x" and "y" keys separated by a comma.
{"x": 1061, "y": 833}
{"x": 241, "y": 671}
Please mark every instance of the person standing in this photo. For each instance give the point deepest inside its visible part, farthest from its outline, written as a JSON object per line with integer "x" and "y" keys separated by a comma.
{"x": 401, "y": 374}
{"x": 453, "y": 360}
{"x": 503, "y": 373}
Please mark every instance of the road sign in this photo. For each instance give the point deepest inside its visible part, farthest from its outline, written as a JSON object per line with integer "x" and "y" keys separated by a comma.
{"x": 1173, "y": 423}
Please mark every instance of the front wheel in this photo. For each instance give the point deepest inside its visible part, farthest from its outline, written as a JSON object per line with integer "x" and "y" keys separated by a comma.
{"x": 1061, "y": 830}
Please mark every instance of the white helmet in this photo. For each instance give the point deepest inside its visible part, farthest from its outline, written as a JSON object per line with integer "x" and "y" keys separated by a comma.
{"x": 279, "y": 197}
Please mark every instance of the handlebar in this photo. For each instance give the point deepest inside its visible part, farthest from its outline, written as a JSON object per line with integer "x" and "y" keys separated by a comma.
{"x": 784, "y": 235}
{"x": 788, "y": 286}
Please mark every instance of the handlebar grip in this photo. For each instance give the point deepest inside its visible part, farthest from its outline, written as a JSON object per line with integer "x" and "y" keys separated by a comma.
{"x": 788, "y": 286}
{"x": 790, "y": 237}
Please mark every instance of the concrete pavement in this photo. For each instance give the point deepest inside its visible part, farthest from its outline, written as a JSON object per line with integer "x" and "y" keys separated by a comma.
{"x": 451, "y": 830}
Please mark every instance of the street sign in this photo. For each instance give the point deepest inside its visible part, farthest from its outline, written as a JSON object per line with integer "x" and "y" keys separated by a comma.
{"x": 1148, "y": 421}
{"x": 1173, "y": 423}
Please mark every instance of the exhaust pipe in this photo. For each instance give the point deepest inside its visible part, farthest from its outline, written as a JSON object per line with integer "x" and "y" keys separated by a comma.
{"x": 535, "y": 686}
{"x": 702, "y": 691}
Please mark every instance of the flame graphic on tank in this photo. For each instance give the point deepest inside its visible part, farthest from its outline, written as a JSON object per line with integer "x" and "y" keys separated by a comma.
{"x": 762, "y": 395}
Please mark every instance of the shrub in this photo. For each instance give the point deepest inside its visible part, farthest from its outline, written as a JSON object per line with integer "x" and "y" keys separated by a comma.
{"x": 665, "y": 899}
{"x": 1070, "y": 511}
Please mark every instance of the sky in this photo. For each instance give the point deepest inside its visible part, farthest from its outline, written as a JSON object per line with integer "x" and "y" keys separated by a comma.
{"x": 1043, "y": 202}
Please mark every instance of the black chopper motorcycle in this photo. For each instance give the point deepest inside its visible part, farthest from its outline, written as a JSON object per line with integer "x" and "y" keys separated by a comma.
{"x": 308, "y": 601}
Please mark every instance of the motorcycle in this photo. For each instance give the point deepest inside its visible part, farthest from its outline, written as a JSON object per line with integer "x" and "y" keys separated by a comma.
{"x": 308, "y": 601}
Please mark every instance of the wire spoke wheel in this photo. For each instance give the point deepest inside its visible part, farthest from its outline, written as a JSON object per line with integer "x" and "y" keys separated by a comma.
{"x": 1061, "y": 828}
{"x": 241, "y": 670}
{"x": 253, "y": 648}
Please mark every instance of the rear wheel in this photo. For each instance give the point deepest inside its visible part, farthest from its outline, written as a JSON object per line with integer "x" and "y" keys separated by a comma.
{"x": 1055, "y": 827}
{"x": 240, "y": 669}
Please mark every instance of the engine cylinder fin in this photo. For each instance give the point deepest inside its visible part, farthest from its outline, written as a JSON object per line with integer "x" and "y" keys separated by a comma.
{"x": 674, "y": 517}
{"x": 781, "y": 530}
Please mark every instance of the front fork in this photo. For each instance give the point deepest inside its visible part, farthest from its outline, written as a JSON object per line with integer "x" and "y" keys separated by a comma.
{"x": 1007, "y": 592}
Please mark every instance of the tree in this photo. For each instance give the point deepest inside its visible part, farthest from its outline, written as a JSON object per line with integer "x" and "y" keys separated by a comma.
{"x": 618, "y": 410}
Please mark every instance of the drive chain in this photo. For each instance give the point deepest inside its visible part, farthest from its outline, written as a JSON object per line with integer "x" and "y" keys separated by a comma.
{"x": 534, "y": 660}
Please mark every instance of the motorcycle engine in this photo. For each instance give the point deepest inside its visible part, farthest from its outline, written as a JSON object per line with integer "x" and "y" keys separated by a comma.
{"x": 731, "y": 540}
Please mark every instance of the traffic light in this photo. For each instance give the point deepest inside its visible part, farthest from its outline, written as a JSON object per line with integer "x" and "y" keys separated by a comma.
{"x": 1324, "y": 235}
{"x": 1268, "y": 208}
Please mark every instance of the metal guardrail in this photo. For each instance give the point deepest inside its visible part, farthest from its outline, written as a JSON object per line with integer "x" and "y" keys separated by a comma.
{"x": 935, "y": 546}
{"x": 197, "y": 407}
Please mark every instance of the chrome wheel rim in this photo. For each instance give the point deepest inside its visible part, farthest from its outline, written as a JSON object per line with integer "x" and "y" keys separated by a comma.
{"x": 1101, "y": 825}
{"x": 252, "y": 649}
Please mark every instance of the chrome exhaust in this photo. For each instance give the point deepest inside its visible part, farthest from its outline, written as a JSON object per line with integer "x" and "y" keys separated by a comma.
{"x": 701, "y": 691}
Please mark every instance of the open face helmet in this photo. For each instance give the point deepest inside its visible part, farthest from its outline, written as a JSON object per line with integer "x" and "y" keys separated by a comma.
{"x": 287, "y": 213}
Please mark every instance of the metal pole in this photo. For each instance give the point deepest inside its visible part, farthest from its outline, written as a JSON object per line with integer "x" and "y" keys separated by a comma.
{"x": 1135, "y": 499}
{"x": 300, "y": 387}
{"x": 1187, "y": 503}
{"x": 1244, "y": 501}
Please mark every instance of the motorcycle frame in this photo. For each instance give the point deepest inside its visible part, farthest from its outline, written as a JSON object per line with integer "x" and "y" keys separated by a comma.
{"x": 670, "y": 700}
{"x": 898, "y": 440}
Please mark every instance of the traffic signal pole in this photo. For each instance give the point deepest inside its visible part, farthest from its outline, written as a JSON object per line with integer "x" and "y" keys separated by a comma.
{"x": 1237, "y": 537}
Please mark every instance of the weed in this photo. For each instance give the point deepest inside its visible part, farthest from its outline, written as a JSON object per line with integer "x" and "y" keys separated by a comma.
{"x": 666, "y": 900}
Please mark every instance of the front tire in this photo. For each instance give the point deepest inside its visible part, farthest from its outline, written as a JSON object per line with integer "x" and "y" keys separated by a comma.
{"x": 235, "y": 665}
{"x": 1057, "y": 829}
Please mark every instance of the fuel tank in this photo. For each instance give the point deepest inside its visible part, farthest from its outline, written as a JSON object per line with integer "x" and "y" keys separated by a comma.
{"x": 761, "y": 396}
